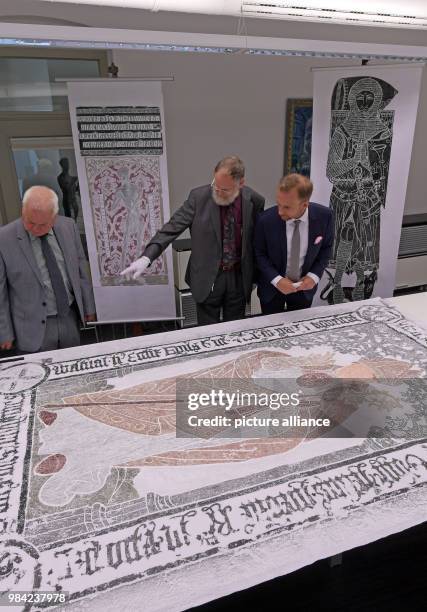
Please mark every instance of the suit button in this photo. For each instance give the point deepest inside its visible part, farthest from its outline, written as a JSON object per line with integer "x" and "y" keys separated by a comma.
{"x": 43, "y": 303}
{"x": 43, "y": 321}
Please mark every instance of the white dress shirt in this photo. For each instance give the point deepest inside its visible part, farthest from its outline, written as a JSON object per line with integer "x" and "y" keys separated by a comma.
{"x": 303, "y": 232}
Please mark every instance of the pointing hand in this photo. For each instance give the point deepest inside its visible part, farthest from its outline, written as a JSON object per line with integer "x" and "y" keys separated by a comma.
{"x": 136, "y": 269}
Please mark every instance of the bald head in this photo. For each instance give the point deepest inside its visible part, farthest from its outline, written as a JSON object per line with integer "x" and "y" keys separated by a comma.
{"x": 39, "y": 210}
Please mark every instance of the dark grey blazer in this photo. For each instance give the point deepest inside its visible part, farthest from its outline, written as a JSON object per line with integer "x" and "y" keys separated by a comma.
{"x": 200, "y": 213}
{"x": 22, "y": 296}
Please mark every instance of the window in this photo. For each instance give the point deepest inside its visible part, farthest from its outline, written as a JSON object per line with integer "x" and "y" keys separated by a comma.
{"x": 29, "y": 84}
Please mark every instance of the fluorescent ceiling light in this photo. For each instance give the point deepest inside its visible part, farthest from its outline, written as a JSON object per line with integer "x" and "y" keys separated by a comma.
{"x": 393, "y": 13}
{"x": 62, "y": 37}
{"x": 380, "y": 13}
{"x": 207, "y": 7}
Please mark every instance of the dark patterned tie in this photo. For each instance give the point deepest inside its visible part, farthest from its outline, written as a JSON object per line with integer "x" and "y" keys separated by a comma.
{"x": 56, "y": 279}
{"x": 294, "y": 256}
{"x": 229, "y": 252}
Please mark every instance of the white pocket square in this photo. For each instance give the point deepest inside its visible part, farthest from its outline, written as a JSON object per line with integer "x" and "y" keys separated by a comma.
{"x": 318, "y": 239}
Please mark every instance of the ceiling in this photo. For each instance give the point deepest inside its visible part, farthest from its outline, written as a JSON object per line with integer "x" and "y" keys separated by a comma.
{"x": 232, "y": 17}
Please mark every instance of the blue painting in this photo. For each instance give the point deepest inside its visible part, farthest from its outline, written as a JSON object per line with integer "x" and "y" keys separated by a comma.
{"x": 299, "y": 121}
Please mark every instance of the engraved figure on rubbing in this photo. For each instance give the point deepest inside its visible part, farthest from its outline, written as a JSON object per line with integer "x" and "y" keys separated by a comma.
{"x": 358, "y": 167}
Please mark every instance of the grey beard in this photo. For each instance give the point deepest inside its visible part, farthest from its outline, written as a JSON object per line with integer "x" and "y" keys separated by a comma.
{"x": 221, "y": 201}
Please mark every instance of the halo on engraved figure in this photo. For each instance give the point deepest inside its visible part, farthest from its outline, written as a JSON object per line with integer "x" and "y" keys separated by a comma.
{"x": 394, "y": 369}
{"x": 355, "y": 370}
{"x": 50, "y": 465}
{"x": 307, "y": 360}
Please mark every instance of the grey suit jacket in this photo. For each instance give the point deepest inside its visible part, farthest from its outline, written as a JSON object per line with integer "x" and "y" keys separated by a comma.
{"x": 200, "y": 213}
{"x": 22, "y": 296}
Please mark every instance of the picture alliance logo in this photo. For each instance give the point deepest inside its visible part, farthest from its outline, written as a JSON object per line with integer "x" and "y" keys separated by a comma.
{"x": 230, "y": 400}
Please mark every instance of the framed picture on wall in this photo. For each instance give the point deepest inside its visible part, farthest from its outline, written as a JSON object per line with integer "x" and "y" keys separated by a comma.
{"x": 299, "y": 116}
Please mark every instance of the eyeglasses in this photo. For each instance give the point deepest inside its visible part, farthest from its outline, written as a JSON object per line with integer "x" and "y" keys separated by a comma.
{"x": 224, "y": 191}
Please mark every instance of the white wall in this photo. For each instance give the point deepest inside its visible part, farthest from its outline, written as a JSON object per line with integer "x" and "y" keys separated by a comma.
{"x": 220, "y": 105}
{"x": 416, "y": 194}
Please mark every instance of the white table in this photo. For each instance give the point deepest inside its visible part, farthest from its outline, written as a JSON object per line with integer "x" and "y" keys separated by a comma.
{"x": 413, "y": 306}
{"x": 112, "y": 515}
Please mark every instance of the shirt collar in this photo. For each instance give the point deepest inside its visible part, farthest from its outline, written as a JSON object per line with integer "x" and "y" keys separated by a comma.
{"x": 34, "y": 238}
{"x": 303, "y": 218}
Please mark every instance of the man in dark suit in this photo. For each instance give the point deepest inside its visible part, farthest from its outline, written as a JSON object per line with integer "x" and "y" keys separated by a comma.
{"x": 221, "y": 218}
{"x": 44, "y": 286}
{"x": 293, "y": 243}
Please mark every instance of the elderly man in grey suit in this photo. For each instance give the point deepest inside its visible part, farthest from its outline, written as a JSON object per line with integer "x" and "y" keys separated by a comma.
{"x": 44, "y": 287}
{"x": 221, "y": 219}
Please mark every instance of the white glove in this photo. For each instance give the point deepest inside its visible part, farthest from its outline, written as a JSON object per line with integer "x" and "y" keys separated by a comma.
{"x": 136, "y": 269}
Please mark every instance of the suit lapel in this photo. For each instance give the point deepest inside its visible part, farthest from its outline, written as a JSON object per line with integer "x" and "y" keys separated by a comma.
{"x": 247, "y": 213}
{"x": 216, "y": 219}
{"x": 311, "y": 232}
{"x": 25, "y": 245}
{"x": 281, "y": 239}
{"x": 63, "y": 243}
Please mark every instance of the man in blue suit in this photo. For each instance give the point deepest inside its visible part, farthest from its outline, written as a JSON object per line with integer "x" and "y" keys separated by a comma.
{"x": 293, "y": 243}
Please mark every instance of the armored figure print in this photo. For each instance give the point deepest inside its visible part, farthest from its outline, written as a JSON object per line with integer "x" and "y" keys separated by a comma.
{"x": 358, "y": 167}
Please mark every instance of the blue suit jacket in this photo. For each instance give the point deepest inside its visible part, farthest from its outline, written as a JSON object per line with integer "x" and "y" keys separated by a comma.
{"x": 271, "y": 247}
